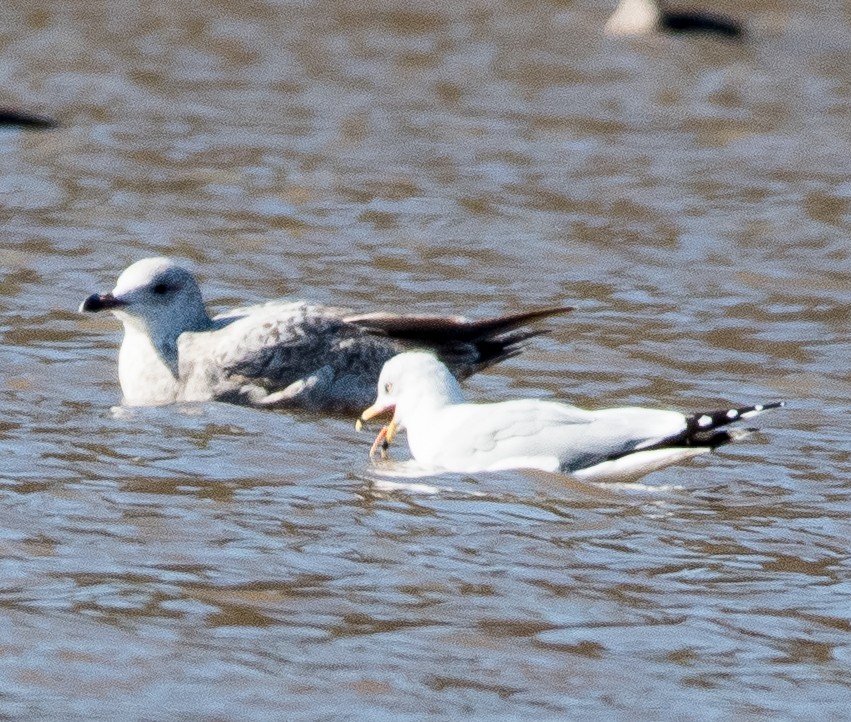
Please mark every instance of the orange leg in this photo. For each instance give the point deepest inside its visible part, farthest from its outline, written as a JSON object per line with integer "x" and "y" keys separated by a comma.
{"x": 380, "y": 441}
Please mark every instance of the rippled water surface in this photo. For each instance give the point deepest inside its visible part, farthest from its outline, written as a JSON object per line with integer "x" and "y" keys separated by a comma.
{"x": 691, "y": 197}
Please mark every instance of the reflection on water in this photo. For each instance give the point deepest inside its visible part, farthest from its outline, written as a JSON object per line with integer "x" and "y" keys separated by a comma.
{"x": 690, "y": 198}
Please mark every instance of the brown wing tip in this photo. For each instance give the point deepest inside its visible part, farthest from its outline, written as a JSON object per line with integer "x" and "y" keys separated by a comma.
{"x": 500, "y": 324}
{"x": 519, "y": 319}
{"x": 439, "y": 329}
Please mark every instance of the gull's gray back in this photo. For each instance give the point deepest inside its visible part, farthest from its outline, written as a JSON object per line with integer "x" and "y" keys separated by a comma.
{"x": 283, "y": 353}
{"x": 538, "y": 428}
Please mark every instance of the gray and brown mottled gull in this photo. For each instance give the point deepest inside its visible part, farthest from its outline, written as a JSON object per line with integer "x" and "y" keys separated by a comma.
{"x": 279, "y": 354}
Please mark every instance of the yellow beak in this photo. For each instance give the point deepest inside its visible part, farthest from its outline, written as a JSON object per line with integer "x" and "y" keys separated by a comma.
{"x": 370, "y": 413}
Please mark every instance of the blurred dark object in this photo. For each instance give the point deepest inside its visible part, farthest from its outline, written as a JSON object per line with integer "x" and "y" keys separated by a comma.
{"x": 636, "y": 17}
{"x": 695, "y": 22}
{"x": 19, "y": 119}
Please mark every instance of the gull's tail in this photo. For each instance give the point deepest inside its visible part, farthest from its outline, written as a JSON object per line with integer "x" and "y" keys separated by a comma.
{"x": 703, "y": 433}
{"x": 707, "y": 430}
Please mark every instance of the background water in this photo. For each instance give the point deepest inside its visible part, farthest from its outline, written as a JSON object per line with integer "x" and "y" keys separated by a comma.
{"x": 691, "y": 197}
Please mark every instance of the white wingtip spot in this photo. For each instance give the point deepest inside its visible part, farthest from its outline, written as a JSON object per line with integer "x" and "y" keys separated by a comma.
{"x": 732, "y": 414}
{"x": 704, "y": 420}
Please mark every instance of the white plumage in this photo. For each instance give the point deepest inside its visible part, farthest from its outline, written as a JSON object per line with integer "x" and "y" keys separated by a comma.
{"x": 446, "y": 433}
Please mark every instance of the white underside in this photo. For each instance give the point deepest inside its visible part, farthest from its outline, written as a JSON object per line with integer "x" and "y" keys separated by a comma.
{"x": 541, "y": 463}
{"x": 634, "y": 466}
{"x": 626, "y": 469}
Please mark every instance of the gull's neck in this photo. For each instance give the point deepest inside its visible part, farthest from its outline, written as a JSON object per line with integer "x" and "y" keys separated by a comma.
{"x": 148, "y": 373}
{"x": 423, "y": 415}
{"x": 429, "y": 398}
{"x": 148, "y": 363}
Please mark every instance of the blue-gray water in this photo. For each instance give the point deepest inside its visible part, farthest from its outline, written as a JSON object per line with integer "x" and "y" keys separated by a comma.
{"x": 691, "y": 197}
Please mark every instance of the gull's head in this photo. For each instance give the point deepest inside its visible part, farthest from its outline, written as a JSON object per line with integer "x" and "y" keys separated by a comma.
{"x": 155, "y": 296}
{"x": 634, "y": 17}
{"x": 412, "y": 381}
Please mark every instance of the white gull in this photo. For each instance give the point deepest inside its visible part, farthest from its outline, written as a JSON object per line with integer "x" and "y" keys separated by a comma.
{"x": 278, "y": 354}
{"x": 445, "y": 433}
{"x": 639, "y": 17}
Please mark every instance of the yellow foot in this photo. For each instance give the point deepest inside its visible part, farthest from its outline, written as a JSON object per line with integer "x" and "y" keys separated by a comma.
{"x": 380, "y": 445}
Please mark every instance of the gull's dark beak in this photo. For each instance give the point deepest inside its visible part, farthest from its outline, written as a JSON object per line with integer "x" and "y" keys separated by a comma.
{"x": 100, "y": 302}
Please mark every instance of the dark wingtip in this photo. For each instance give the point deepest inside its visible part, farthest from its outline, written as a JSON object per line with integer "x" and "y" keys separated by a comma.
{"x": 446, "y": 329}
{"x": 491, "y": 327}
{"x": 20, "y": 119}
{"x": 701, "y": 428}
{"x": 498, "y": 339}
{"x": 535, "y": 315}
{"x": 699, "y": 22}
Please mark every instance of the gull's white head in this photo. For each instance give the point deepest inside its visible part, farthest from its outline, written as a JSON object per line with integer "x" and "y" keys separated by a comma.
{"x": 412, "y": 381}
{"x": 154, "y": 296}
{"x": 634, "y": 17}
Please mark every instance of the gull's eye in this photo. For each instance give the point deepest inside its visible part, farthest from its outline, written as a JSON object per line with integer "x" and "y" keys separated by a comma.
{"x": 388, "y": 387}
{"x": 161, "y": 289}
